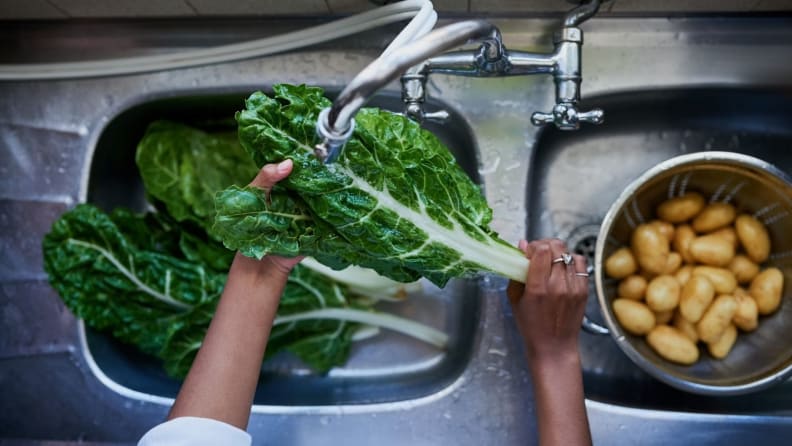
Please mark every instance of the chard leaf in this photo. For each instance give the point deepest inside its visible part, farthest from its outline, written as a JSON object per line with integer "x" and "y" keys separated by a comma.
{"x": 149, "y": 293}
{"x": 183, "y": 167}
{"x": 115, "y": 286}
{"x": 321, "y": 348}
{"x": 199, "y": 248}
{"x": 280, "y": 223}
{"x": 320, "y": 343}
{"x": 395, "y": 200}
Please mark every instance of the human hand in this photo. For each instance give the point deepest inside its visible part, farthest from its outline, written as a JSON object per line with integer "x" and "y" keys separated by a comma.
{"x": 549, "y": 308}
{"x": 268, "y": 176}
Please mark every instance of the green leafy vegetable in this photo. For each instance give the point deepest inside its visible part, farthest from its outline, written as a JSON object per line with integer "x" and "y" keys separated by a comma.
{"x": 395, "y": 201}
{"x": 183, "y": 167}
{"x": 117, "y": 286}
{"x": 131, "y": 275}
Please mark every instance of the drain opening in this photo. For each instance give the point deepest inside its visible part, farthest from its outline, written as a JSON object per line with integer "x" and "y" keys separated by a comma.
{"x": 583, "y": 240}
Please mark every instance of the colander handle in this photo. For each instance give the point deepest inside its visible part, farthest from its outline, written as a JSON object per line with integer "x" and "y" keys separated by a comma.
{"x": 588, "y": 325}
{"x": 592, "y": 327}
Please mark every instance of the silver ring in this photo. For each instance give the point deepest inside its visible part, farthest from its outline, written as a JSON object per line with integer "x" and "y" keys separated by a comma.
{"x": 566, "y": 258}
{"x": 582, "y": 274}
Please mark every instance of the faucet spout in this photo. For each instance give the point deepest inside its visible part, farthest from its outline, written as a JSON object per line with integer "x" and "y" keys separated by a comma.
{"x": 582, "y": 13}
{"x": 338, "y": 121}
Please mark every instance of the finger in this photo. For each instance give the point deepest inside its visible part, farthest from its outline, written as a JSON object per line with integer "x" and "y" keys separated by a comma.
{"x": 581, "y": 282}
{"x": 531, "y": 247}
{"x": 270, "y": 174}
{"x": 539, "y": 272}
{"x": 527, "y": 248}
{"x": 561, "y": 275}
{"x": 557, "y": 248}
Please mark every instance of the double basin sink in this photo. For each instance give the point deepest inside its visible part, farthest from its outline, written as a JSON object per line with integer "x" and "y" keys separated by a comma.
{"x": 672, "y": 87}
{"x": 573, "y": 179}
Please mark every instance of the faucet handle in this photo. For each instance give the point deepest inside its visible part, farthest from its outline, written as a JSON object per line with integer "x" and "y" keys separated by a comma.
{"x": 439, "y": 116}
{"x": 566, "y": 116}
{"x": 593, "y": 116}
{"x": 415, "y": 111}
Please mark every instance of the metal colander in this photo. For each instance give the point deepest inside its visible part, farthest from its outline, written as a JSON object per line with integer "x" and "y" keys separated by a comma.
{"x": 758, "y": 359}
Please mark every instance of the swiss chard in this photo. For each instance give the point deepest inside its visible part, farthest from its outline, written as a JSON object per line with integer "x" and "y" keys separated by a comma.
{"x": 183, "y": 167}
{"x": 130, "y": 275}
{"x": 395, "y": 201}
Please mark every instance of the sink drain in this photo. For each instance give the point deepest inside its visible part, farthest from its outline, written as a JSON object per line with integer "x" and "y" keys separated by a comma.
{"x": 583, "y": 240}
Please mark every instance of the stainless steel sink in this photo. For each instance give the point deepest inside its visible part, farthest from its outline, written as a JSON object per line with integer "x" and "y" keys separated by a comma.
{"x": 575, "y": 177}
{"x": 388, "y": 367}
{"x": 65, "y": 142}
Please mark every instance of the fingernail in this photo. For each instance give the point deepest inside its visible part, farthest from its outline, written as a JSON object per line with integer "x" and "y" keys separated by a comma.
{"x": 284, "y": 166}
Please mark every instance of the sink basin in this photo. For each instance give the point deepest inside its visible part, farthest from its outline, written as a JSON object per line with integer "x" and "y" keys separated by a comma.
{"x": 388, "y": 367}
{"x": 576, "y": 176}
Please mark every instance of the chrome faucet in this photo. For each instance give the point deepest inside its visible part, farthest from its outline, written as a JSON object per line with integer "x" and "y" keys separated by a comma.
{"x": 417, "y": 60}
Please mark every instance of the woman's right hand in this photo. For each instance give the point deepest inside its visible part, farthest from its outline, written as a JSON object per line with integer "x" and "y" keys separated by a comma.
{"x": 548, "y": 310}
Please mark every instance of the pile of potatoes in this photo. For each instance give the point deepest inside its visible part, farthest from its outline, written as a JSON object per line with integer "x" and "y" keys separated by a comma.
{"x": 683, "y": 278}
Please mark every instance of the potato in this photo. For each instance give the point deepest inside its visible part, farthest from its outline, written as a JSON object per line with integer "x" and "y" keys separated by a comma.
{"x": 679, "y": 209}
{"x": 683, "y": 235}
{"x": 722, "y": 279}
{"x": 743, "y": 268}
{"x": 662, "y": 293}
{"x": 695, "y": 297}
{"x": 729, "y": 234}
{"x": 713, "y": 250}
{"x": 766, "y": 289}
{"x": 685, "y": 326}
{"x": 647, "y": 275}
{"x": 684, "y": 274}
{"x": 665, "y": 228}
{"x": 634, "y": 316}
{"x": 753, "y": 237}
{"x": 663, "y": 317}
{"x": 746, "y": 317}
{"x": 714, "y": 216}
{"x": 621, "y": 264}
{"x": 672, "y": 345}
{"x": 673, "y": 263}
{"x": 632, "y": 287}
{"x": 720, "y": 348}
{"x": 717, "y": 318}
{"x": 651, "y": 248}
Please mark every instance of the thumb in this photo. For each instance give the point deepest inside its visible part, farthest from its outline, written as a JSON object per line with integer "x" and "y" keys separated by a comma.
{"x": 272, "y": 173}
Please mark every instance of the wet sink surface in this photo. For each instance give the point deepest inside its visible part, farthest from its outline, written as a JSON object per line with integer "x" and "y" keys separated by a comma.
{"x": 388, "y": 367}
{"x": 575, "y": 177}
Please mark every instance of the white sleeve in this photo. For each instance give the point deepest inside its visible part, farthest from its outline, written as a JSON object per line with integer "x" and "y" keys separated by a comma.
{"x": 194, "y": 431}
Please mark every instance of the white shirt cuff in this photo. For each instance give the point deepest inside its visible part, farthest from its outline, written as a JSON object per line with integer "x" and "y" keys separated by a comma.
{"x": 194, "y": 431}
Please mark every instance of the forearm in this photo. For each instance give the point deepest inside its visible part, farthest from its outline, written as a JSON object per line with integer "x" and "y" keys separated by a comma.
{"x": 223, "y": 377}
{"x": 558, "y": 390}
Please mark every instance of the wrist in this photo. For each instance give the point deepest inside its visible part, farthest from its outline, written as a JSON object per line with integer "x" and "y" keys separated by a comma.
{"x": 554, "y": 358}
